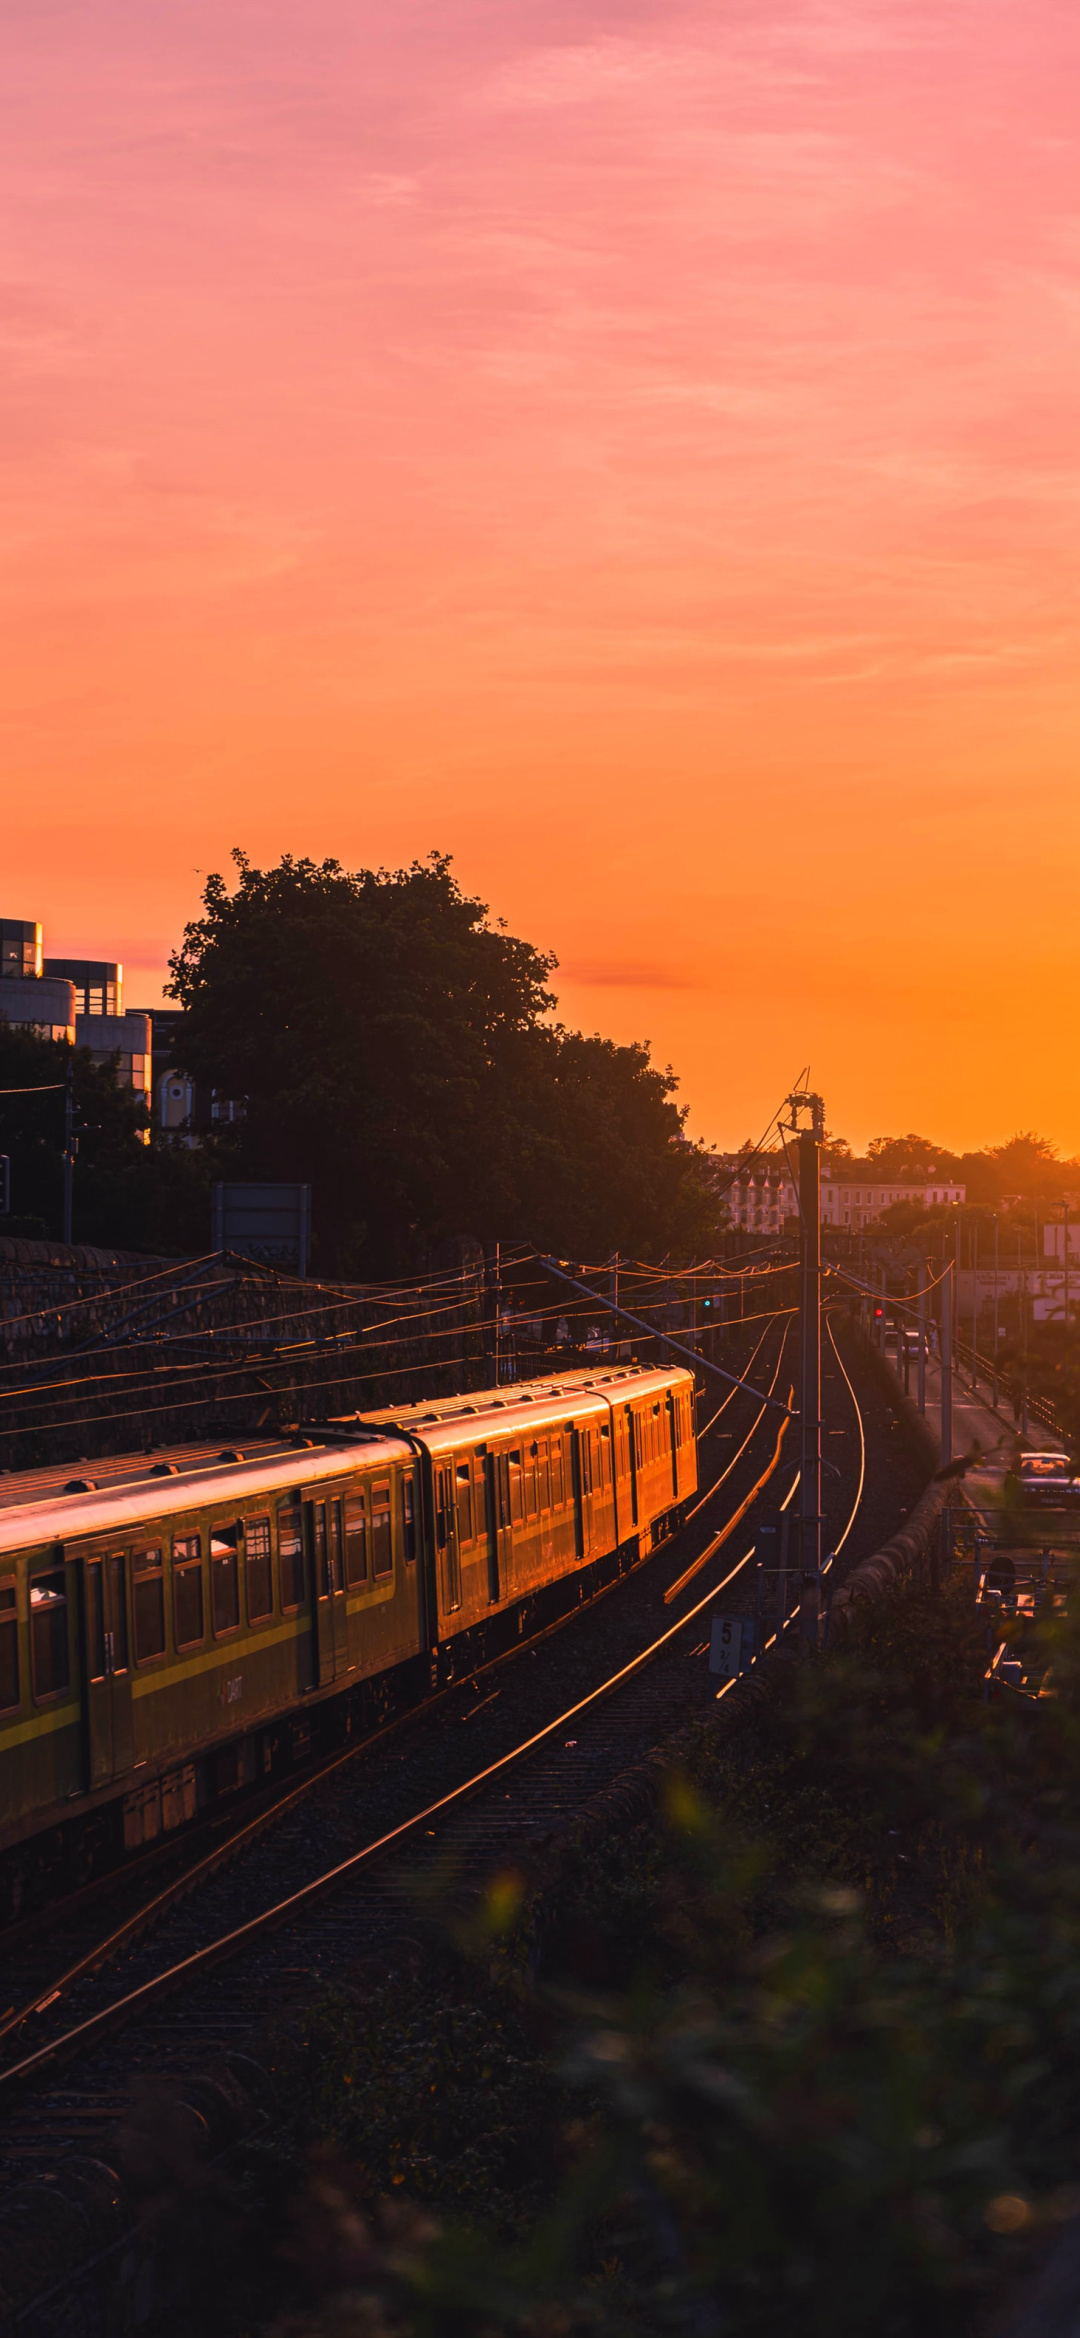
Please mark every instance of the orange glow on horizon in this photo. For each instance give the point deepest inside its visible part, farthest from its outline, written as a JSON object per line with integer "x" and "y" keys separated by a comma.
{"x": 632, "y": 449}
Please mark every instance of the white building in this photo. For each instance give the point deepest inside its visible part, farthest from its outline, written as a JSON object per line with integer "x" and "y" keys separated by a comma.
{"x": 762, "y": 1199}
{"x": 856, "y": 1202}
{"x": 77, "y": 999}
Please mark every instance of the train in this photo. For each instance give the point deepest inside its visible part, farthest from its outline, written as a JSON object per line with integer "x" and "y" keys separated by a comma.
{"x": 178, "y": 1625}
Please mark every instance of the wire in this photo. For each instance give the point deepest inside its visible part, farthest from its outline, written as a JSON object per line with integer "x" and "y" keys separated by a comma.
{"x": 752, "y": 1432}
{"x": 733, "y": 1392}
{"x": 838, "y": 1547}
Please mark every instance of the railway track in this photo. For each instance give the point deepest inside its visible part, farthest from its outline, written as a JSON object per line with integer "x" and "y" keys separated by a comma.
{"x": 483, "y": 1779}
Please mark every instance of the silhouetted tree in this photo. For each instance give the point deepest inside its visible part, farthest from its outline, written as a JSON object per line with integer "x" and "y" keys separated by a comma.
{"x": 394, "y": 1046}
{"x": 129, "y": 1194}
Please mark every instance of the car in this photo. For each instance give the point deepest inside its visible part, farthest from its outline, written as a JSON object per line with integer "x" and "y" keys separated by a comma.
{"x": 1044, "y": 1481}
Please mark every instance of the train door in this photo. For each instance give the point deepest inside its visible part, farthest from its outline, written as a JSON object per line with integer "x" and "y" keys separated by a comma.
{"x": 447, "y": 1554}
{"x": 633, "y": 1456}
{"x": 583, "y": 1483}
{"x": 500, "y": 1533}
{"x": 331, "y": 1613}
{"x": 673, "y": 1444}
{"x": 109, "y": 1716}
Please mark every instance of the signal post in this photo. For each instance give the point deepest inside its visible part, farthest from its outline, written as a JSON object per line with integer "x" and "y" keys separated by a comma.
{"x": 809, "y": 1141}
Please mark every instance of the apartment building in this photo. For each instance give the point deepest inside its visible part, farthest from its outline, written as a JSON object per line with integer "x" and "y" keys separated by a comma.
{"x": 77, "y": 999}
{"x": 763, "y": 1199}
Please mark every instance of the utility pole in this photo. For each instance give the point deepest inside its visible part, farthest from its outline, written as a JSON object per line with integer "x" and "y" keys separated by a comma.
{"x": 69, "y": 1153}
{"x": 924, "y": 1270}
{"x": 958, "y": 1328}
{"x": 997, "y": 1233}
{"x": 810, "y": 1141}
{"x": 975, "y": 1308}
{"x": 1066, "y": 1290}
{"x": 1021, "y": 1279}
{"x": 946, "y": 1361}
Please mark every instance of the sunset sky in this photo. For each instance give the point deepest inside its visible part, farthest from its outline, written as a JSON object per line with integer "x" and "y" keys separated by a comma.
{"x": 634, "y": 449}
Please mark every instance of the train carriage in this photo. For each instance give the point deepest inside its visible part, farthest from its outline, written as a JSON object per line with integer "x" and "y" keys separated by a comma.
{"x": 174, "y": 1627}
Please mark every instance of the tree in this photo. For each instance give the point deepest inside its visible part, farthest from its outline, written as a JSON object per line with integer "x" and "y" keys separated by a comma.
{"x": 910, "y": 1158}
{"x": 129, "y": 1194}
{"x": 394, "y": 1048}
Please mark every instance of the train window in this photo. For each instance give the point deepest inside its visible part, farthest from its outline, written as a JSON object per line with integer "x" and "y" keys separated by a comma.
{"x": 532, "y": 1482}
{"x": 291, "y": 1555}
{"x": 382, "y": 1545}
{"x": 49, "y": 1633}
{"x": 260, "y": 1586}
{"x": 95, "y": 1620}
{"x": 558, "y": 1471}
{"x": 322, "y": 1567}
{"x": 9, "y": 1647}
{"x": 187, "y": 1590}
{"x": 356, "y": 1539}
{"x": 543, "y": 1472}
{"x": 148, "y": 1604}
{"x": 603, "y": 1464}
{"x": 517, "y": 1492}
{"x": 465, "y": 1521}
{"x": 639, "y": 1445}
{"x": 225, "y": 1578}
{"x": 585, "y": 1454}
{"x": 408, "y": 1518}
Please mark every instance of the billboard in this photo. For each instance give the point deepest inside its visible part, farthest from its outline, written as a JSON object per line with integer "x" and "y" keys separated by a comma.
{"x": 269, "y": 1223}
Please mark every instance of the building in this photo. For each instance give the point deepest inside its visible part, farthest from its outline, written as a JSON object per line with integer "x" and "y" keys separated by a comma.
{"x": 856, "y": 1201}
{"x": 77, "y": 999}
{"x": 764, "y": 1198}
{"x": 98, "y": 983}
{"x": 20, "y": 950}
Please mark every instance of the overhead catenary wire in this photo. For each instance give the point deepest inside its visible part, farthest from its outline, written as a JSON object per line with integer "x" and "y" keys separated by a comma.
{"x": 260, "y": 1353}
{"x": 342, "y": 1294}
{"x": 368, "y": 1334}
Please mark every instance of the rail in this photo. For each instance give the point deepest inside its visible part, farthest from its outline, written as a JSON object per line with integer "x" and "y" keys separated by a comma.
{"x": 120, "y": 2009}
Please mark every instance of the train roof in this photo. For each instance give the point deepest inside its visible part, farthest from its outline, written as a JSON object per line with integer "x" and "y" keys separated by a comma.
{"x": 67, "y": 1502}
{"x": 486, "y": 1413}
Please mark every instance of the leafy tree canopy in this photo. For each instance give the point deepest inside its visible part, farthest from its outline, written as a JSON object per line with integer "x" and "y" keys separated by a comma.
{"x": 1026, "y": 1165}
{"x": 129, "y": 1194}
{"x": 394, "y": 1047}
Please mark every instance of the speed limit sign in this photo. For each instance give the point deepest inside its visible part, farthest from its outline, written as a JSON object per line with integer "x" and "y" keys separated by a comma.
{"x": 731, "y": 1647}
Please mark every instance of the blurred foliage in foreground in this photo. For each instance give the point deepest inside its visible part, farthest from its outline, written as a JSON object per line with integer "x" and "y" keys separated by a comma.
{"x": 801, "y": 2055}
